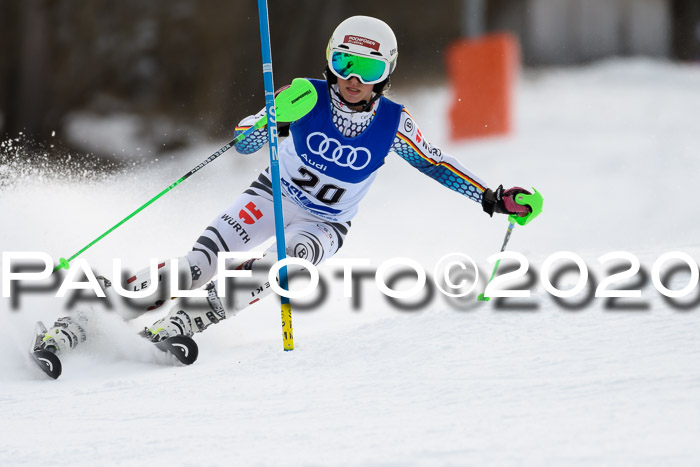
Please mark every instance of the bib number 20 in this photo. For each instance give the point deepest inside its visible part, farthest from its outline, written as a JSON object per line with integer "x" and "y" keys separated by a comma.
{"x": 328, "y": 193}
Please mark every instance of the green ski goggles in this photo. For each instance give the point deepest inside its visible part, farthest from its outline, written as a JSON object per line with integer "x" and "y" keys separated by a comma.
{"x": 368, "y": 70}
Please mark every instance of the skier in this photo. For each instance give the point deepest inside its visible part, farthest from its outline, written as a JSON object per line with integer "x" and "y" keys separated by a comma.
{"x": 327, "y": 164}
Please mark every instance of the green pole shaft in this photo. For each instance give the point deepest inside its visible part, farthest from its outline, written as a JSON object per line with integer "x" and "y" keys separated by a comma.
{"x": 64, "y": 263}
{"x": 534, "y": 201}
{"x": 118, "y": 224}
{"x": 483, "y": 297}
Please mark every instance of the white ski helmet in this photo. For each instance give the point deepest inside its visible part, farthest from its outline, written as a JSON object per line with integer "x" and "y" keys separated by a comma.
{"x": 369, "y": 39}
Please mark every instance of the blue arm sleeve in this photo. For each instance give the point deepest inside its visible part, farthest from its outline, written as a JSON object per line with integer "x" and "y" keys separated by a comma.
{"x": 253, "y": 142}
{"x": 410, "y": 145}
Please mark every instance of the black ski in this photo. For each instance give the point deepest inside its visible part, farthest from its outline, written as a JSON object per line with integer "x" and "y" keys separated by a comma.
{"x": 183, "y": 348}
{"x": 48, "y": 362}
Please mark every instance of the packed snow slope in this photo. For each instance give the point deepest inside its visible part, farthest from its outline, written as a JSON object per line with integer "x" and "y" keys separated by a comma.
{"x": 613, "y": 147}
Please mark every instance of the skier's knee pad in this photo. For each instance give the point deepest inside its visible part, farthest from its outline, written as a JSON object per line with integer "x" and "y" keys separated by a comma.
{"x": 305, "y": 246}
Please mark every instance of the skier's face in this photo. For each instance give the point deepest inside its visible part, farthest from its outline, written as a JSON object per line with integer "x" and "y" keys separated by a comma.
{"x": 354, "y": 91}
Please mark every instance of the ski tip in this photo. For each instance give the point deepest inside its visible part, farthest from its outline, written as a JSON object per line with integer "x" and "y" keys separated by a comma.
{"x": 48, "y": 362}
{"x": 183, "y": 348}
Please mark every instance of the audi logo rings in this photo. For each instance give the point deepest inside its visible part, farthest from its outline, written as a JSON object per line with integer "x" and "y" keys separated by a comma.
{"x": 342, "y": 155}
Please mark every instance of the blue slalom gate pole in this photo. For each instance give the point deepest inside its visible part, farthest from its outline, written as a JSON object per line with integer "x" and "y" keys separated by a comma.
{"x": 274, "y": 169}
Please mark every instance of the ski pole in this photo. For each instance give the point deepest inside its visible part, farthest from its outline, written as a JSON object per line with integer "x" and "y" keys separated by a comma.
{"x": 286, "y": 307}
{"x": 534, "y": 201}
{"x": 292, "y": 103}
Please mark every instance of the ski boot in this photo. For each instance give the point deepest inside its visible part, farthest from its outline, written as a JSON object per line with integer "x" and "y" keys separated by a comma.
{"x": 65, "y": 334}
{"x": 174, "y": 332}
{"x": 179, "y": 322}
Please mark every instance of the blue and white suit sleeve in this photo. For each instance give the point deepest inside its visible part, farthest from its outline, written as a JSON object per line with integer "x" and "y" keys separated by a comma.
{"x": 257, "y": 139}
{"x": 410, "y": 145}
